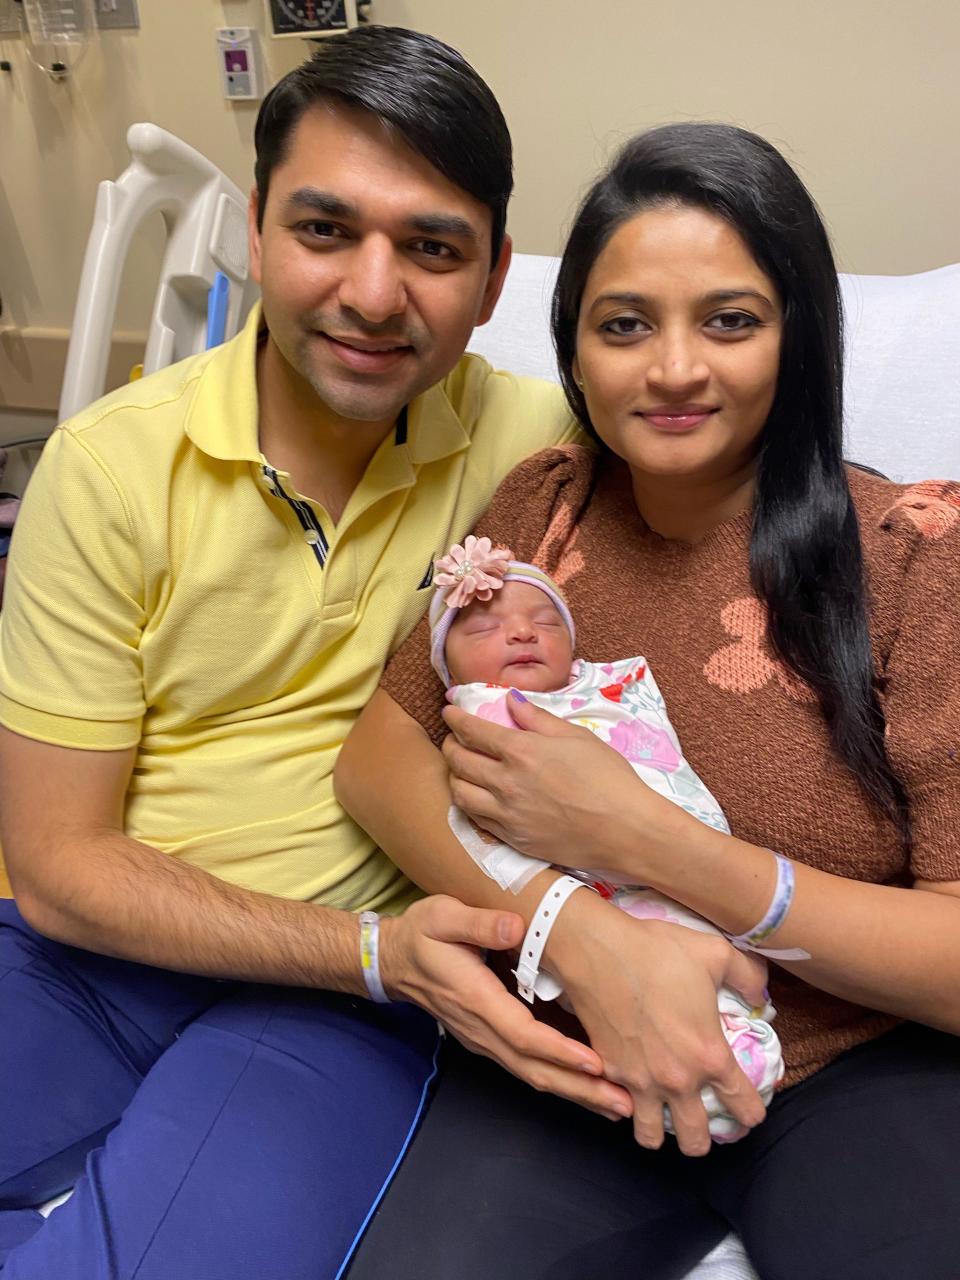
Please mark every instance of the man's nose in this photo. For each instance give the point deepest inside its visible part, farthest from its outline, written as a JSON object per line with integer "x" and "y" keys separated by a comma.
{"x": 677, "y": 363}
{"x": 372, "y": 285}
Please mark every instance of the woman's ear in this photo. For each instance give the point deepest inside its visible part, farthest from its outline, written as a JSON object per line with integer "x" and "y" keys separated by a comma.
{"x": 575, "y": 370}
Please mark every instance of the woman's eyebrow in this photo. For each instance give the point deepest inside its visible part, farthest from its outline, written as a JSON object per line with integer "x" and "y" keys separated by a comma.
{"x": 621, "y": 300}
{"x": 732, "y": 295}
{"x": 630, "y": 299}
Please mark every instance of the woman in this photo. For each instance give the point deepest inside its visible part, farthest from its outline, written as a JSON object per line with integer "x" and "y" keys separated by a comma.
{"x": 800, "y": 618}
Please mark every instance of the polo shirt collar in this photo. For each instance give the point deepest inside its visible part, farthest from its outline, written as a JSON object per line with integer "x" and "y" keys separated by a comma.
{"x": 223, "y": 420}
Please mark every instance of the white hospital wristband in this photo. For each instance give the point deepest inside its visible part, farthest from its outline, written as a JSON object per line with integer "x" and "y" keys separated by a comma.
{"x": 370, "y": 957}
{"x": 530, "y": 981}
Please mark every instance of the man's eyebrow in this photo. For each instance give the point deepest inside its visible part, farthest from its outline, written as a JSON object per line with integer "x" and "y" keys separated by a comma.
{"x": 426, "y": 224}
{"x": 444, "y": 224}
{"x": 318, "y": 201}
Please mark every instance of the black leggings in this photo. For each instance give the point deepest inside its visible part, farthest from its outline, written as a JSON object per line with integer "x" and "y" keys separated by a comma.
{"x": 854, "y": 1174}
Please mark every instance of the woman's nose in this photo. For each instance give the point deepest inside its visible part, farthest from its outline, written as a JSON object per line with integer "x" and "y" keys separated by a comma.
{"x": 677, "y": 362}
{"x": 372, "y": 284}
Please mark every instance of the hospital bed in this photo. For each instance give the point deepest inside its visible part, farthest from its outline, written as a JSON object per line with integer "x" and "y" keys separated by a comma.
{"x": 902, "y": 411}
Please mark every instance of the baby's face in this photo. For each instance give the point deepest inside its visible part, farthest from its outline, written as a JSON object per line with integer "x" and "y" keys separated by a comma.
{"x": 516, "y": 638}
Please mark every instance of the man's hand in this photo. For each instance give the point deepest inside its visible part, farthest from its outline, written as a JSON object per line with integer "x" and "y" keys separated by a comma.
{"x": 646, "y": 993}
{"x": 433, "y": 956}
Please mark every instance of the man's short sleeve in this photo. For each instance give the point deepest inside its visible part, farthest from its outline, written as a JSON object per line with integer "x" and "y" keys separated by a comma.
{"x": 70, "y": 671}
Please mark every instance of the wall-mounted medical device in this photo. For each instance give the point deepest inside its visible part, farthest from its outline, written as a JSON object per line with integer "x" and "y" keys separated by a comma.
{"x": 59, "y": 33}
{"x": 239, "y": 56}
{"x": 312, "y": 18}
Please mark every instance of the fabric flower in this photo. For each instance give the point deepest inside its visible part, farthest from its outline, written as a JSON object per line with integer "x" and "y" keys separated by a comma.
{"x": 641, "y": 744}
{"x": 471, "y": 572}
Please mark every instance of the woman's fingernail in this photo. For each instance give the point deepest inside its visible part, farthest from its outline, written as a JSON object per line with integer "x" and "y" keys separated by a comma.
{"x": 517, "y": 696}
{"x": 766, "y": 994}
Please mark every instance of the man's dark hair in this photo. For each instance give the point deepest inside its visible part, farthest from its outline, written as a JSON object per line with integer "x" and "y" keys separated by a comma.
{"x": 414, "y": 84}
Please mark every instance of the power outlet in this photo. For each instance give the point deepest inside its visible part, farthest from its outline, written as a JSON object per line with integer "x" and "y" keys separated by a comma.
{"x": 117, "y": 13}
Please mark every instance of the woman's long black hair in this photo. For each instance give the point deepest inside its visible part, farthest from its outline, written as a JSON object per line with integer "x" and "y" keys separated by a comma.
{"x": 806, "y": 560}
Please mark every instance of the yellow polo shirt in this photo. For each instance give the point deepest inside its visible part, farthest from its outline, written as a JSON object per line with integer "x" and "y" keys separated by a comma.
{"x": 168, "y": 589}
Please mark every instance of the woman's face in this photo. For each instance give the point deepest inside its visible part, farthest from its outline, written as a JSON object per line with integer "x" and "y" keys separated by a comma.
{"x": 678, "y": 346}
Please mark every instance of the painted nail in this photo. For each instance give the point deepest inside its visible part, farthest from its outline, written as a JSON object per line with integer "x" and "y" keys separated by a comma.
{"x": 517, "y": 696}
{"x": 766, "y": 994}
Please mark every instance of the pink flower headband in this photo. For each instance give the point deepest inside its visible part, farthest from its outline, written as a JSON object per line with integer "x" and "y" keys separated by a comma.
{"x": 473, "y": 571}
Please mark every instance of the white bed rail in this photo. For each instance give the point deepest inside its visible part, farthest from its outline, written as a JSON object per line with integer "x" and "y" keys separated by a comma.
{"x": 206, "y": 221}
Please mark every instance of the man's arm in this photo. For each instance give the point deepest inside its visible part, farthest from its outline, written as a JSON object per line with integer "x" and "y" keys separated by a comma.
{"x": 79, "y": 879}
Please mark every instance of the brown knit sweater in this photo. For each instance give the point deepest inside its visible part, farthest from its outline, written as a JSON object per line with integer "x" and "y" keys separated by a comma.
{"x": 748, "y": 727}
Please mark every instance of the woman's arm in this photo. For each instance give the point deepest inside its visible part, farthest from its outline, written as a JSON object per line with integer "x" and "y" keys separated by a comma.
{"x": 645, "y": 992}
{"x": 552, "y": 790}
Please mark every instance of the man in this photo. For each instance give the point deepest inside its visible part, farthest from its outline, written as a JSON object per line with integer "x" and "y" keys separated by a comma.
{"x": 209, "y": 572}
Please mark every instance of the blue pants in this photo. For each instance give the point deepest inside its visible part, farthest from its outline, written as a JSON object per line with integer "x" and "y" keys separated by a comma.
{"x": 214, "y": 1130}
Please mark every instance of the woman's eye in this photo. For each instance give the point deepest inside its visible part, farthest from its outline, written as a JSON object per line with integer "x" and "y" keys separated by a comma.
{"x": 624, "y": 326}
{"x": 732, "y": 322}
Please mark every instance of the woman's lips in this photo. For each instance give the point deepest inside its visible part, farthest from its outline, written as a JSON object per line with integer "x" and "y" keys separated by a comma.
{"x": 683, "y": 418}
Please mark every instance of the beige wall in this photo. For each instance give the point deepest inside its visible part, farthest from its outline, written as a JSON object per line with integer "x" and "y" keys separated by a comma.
{"x": 862, "y": 95}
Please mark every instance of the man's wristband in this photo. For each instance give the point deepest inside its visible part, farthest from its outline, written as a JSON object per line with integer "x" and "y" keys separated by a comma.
{"x": 530, "y": 980}
{"x": 370, "y": 956}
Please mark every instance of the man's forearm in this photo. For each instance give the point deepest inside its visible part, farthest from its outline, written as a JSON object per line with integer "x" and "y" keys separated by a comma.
{"x": 111, "y": 894}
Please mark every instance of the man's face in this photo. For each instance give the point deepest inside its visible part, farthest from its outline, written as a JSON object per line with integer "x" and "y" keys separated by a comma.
{"x": 374, "y": 268}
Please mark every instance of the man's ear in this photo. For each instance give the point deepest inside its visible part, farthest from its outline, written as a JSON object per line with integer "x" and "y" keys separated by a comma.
{"x": 253, "y": 235}
{"x": 495, "y": 279}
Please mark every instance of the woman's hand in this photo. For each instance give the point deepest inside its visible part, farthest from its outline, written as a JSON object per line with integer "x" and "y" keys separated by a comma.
{"x": 646, "y": 993}
{"x": 557, "y": 791}
{"x": 433, "y": 955}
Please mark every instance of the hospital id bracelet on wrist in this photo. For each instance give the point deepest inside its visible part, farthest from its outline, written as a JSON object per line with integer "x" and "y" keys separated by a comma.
{"x": 774, "y": 917}
{"x": 530, "y": 981}
{"x": 370, "y": 956}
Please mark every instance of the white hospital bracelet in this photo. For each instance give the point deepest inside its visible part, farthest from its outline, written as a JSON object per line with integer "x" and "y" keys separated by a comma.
{"x": 530, "y": 981}
{"x": 370, "y": 956}
{"x": 778, "y": 910}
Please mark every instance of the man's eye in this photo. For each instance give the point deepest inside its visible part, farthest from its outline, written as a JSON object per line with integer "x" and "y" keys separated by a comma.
{"x": 435, "y": 249}
{"x": 732, "y": 322}
{"x": 319, "y": 230}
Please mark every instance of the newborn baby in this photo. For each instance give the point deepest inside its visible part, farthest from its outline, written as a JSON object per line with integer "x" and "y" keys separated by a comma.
{"x": 498, "y": 624}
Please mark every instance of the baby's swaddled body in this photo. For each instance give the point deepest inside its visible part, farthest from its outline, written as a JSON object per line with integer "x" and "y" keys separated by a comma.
{"x": 621, "y": 703}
